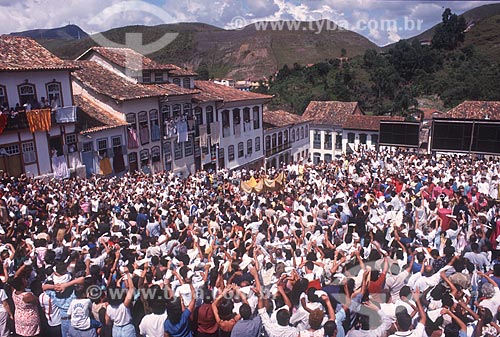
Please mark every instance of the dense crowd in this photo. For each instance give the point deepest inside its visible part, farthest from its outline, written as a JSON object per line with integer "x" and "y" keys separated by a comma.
{"x": 371, "y": 244}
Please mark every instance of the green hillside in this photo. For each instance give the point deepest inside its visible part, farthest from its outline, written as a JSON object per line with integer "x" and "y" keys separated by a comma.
{"x": 241, "y": 54}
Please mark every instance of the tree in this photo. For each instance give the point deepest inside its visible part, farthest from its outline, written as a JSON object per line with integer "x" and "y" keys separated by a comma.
{"x": 203, "y": 73}
{"x": 451, "y": 32}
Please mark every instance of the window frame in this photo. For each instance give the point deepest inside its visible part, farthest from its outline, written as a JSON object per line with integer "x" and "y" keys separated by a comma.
{"x": 154, "y": 119}
{"x": 257, "y": 144}
{"x": 178, "y": 151}
{"x": 155, "y": 153}
{"x": 230, "y": 153}
{"x": 256, "y": 121}
{"x": 113, "y": 138}
{"x": 98, "y": 143}
{"x": 241, "y": 150}
{"x": 146, "y": 79}
{"x": 49, "y": 99}
{"x": 32, "y": 150}
{"x": 249, "y": 146}
{"x": 189, "y": 147}
{"x": 143, "y": 121}
{"x": 3, "y": 89}
{"x": 158, "y": 77}
{"x": 27, "y": 84}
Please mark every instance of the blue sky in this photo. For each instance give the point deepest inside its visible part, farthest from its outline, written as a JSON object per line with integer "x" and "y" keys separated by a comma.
{"x": 371, "y": 18}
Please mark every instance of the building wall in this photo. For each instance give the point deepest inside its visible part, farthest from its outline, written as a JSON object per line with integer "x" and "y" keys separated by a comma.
{"x": 33, "y": 149}
{"x": 325, "y": 153}
{"x": 94, "y": 138}
{"x": 297, "y": 148}
{"x": 358, "y": 134}
{"x": 11, "y": 80}
{"x": 229, "y": 139}
{"x": 319, "y": 150}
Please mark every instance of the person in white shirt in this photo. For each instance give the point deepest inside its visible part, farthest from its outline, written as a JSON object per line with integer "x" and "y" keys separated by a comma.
{"x": 118, "y": 310}
{"x": 79, "y": 312}
{"x": 152, "y": 324}
{"x": 404, "y": 321}
{"x": 51, "y": 311}
{"x": 491, "y": 292}
{"x": 5, "y": 313}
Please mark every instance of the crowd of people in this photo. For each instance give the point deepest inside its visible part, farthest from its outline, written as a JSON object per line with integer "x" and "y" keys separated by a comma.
{"x": 371, "y": 244}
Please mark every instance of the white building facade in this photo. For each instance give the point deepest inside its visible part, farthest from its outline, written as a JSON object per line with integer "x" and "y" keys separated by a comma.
{"x": 286, "y": 138}
{"x": 35, "y": 95}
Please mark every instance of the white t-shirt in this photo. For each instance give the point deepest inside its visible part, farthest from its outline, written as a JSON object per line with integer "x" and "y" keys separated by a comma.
{"x": 120, "y": 315}
{"x": 152, "y": 325}
{"x": 3, "y": 297}
{"x": 50, "y": 309}
{"x": 184, "y": 291}
{"x": 79, "y": 310}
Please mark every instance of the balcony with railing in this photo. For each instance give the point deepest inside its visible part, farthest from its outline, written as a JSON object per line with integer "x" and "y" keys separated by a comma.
{"x": 277, "y": 149}
{"x": 19, "y": 120}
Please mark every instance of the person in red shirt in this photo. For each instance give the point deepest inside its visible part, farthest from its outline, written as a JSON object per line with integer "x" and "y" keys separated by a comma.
{"x": 443, "y": 216}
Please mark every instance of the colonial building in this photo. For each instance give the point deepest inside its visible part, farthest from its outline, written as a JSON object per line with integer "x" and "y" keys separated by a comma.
{"x": 179, "y": 124}
{"x": 239, "y": 119}
{"x": 361, "y": 132}
{"x": 326, "y": 133}
{"x": 143, "y": 107}
{"x": 37, "y": 120}
{"x": 286, "y": 138}
{"x": 340, "y": 127}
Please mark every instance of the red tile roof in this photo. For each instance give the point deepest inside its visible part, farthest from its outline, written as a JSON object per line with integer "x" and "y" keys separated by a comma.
{"x": 431, "y": 113}
{"x": 128, "y": 58}
{"x": 25, "y": 54}
{"x": 93, "y": 118}
{"x": 106, "y": 82}
{"x": 205, "y": 97}
{"x": 367, "y": 123}
{"x": 330, "y": 112}
{"x": 475, "y": 110}
{"x": 131, "y": 59}
{"x": 281, "y": 118}
{"x": 228, "y": 94}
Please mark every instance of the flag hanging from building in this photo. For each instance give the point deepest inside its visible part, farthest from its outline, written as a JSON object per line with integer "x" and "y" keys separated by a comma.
{"x": 39, "y": 120}
{"x": 203, "y": 135}
{"x": 214, "y": 132}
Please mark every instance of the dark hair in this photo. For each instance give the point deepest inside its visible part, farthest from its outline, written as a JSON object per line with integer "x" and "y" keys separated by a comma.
{"x": 157, "y": 302}
{"x": 245, "y": 311}
{"x": 330, "y": 329}
{"x": 112, "y": 297}
{"x": 404, "y": 320}
{"x": 283, "y": 317}
{"x": 174, "y": 310}
{"x": 405, "y": 291}
{"x": 226, "y": 309}
{"x": 17, "y": 283}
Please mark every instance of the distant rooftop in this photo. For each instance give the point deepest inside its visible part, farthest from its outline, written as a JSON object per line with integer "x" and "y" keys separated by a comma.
{"x": 330, "y": 112}
{"x": 106, "y": 82}
{"x": 25, "y": 54}
{"x": 475, "y": 110}
{"x": 228, "y": 94}
{"x": 279, "y": 118}
{"x": 131, "y": 59}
